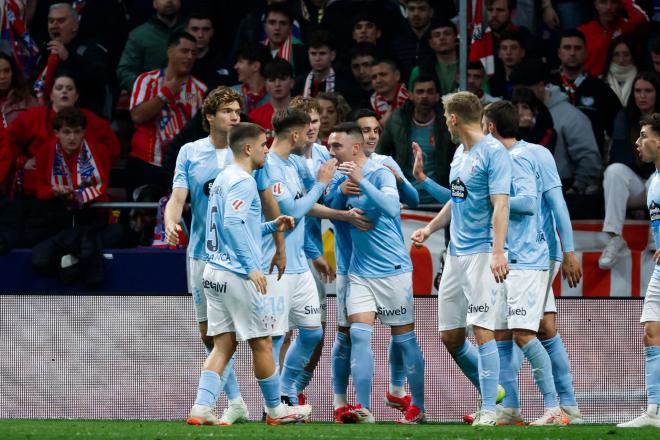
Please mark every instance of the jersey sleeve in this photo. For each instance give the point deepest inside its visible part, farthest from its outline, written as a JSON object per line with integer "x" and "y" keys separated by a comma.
{"x": 499, "y": 171}
{"x": 523, "y": 177}
{"x": 262, "y": 176}
{"x": 548, "y": 170}
{"x": 239, "y": 199}
{"x": 144, "y": 89}
{"x": 180, "y": 179}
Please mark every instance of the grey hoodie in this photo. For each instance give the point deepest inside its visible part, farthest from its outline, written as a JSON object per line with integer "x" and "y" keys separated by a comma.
{"x": 576, "y": 152}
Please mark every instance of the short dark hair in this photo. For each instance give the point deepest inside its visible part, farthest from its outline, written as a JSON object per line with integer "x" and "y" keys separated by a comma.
{"x": 361, "y": 113}
{"x": 653, "y": 120}
{"x": 364, "y": 50}
{"x": 198, "y": 14}
{"x": 442, "y": 22}
{"x": 476, "y": 65}
{"x": 177, "y": 36}
{"x": 365, "y": 16}
{"x": 511, "y": 4}
{"x": 278, "y": 69}
{"x": 504, "y": 115}
{"x": 255, "y": 52}
{"x": 350, "y": 128}
{"x": 69, "y": 117}
{"x": 572, "y": 33}
{"x": 390, "y": 62}
{"x": 279, "y": 8}
{"x": 513, "y": 36}
{"x": 529, "y": 72}
{"x": 425, "y": 76}
{"x": 321, "y": 38}
{"x": 287, "y": 118}
{"x": 241, "y": 132}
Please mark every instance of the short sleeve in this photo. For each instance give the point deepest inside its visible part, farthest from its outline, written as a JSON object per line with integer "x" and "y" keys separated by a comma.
{"x": 144, "y": 89}
{"x": 548, "y": 170}
{"x": 239, "y": 199}
{"x": 180, "y": 179}
{"x": 499, "y": 171}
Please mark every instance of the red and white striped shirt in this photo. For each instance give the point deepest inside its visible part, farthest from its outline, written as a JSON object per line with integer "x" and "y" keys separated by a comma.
{"x": 151, "y": 138}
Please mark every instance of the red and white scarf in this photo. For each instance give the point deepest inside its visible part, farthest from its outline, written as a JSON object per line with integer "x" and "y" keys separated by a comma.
{"x": 285, "y": 50}
{"x": 571, "y": 86}
{"x": 252, "y": 99}
{"x": 88, "y": 183}
{"x": 311, "y": 89}
{"x": 380, "y": 105}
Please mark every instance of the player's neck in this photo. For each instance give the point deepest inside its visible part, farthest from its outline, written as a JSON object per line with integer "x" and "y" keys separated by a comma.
{"x": 219, "y": 139}
{"x": 470, "y": 135}
{"x": 281, "y": 147}
{"x": 507, "y": 142}
{"x": 244, "y": 163}
{"x": 307, "y": 152}
{"x": 361, "y": 159}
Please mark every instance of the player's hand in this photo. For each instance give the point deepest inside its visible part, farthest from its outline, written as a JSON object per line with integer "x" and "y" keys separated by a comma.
{"x": 326, "y": 274}
{"x": 570, "y": 269}
{"x": 551, "y": 18}
{"x": 418, "y": 166}
{"x": 419, "y": 236}
{"x": 172, "y": 231}
{"x": 352, "y": 170}
{"x": 259, "y": 280}
{"x": 327, "y": 171}
{"x": 398, "y": 178}
{"x": 357, "y": 218}
{"x": 285, "y": 223}
{"x": 279, "y": 261}
{"x": 350, "y": 188}
{"x": 57, "y": 47}
{"x": 656, "y": 257}
{"x": 499, "y": 266}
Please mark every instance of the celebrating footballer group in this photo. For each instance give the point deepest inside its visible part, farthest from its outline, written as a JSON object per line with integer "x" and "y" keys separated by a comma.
{"x": 256, "y": 267}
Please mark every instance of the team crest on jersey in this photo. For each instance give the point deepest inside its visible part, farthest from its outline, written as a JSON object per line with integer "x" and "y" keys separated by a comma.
{"x": 207, "y": 187}
{"x": 278, "y": 189}
{"x": 237, "y": 204}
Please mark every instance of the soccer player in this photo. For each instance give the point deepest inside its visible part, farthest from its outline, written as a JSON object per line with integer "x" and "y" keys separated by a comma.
{"x": 197, "y": 166}
{"x": 648, "y": 147}
{"x": 525, "y": 287}
{"x": 480, "y": 179}
{"x": 380, "y": 274}
{"x": 239, "y": 307}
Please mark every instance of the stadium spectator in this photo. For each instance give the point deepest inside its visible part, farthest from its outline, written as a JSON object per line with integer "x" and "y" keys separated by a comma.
{"x": 621, "y": 68}
{"x": 625, "y": 176}
{"x": 84, "y": 58}
{"x": 500, "y": 13}
{"x": 15, "y": 39}
{"x": 279, "y": 83}
{"x": 146, "y": 47}
{"x": 576, "y": 152}
{"x": 443, "y": 41}
{"x": 334, "y": 110}
{"x": 410, "y": 46}
{"x": 251, "y": 61}
{"x": 389, "y": 92}
{"x": 586, "y": 92}
{"x": 6, "y": 159}
{"x": 32, "y": 131}
{"x": 162, "y": 102}
{"x": 510, "y": 53}
{"x": 360, "y": 89}
{"x": 420, "y": 120}
{"x": 609, "y": 23}
{"x": 655, "y": 55}
{"x": 366, "y": 29}
{"x": 280, "y": 39}
{"x": 567, "y": 14}
{"x": 323, "y": 77}
{"x": 476, "y": 74}
{"x": 209, "y": 66}
{"x": 15, "y": 96}
{"x": 534, "y": 120}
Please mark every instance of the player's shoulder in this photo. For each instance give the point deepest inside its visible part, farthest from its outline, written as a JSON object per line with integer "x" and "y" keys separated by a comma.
{"x": 321, "y": 151}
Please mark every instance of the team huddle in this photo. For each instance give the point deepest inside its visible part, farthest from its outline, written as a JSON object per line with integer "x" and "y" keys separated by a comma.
{"x": 256, "y": 266}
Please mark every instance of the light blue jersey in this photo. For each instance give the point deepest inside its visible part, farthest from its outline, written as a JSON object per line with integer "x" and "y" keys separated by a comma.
{"x": 379, "y": 252}
{"x": 343, "y": 243}
{"x": 234, "y": 229}
{"x": 289, "y": 192}
{"x": 475, "y": 175}
{"x": 653, "y": 203}
{"x": 197, "y": 166}
{"x": 407, "y": 192}
{"x": 525, "y": 239}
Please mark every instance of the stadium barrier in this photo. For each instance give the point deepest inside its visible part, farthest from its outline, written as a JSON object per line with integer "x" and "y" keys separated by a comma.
{"x": 138, "y": 357}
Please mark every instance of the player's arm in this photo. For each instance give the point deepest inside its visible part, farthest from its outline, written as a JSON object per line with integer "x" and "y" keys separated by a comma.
{"x": 407, "y": 193}
{"x": 570, "y": 266}
{"x": 271, "y": 211}
{"x": 298, "y": 208}
{"x": 525, "y": 202}
{"x": 437, "y": 191}
{"x": 499, "y": 265}
{"x": 234, "y": 223}
{"x": 384, "y": 196}
{"x": 353, "y": 216}
{"x": 312, "y": 251}
{"x": 177, "y": 200}
{"x": 441, "y": 220}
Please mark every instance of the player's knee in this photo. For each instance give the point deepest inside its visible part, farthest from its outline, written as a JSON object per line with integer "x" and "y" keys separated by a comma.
{"x": 523, "y": 337}
{"x": 547, "y": 327}
{"x": 652, "y": 334}
{"x": 207, "y": 341}
{"x": 452, "y": 340}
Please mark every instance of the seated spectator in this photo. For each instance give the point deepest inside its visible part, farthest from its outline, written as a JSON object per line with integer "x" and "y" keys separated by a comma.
{"x": 362, "y": 57}
{"x": 476, "y": 74}
{"x": 334, "y": 110}
{"x": 146, "y": 47}
{"x": 389, "y": 92}
{"x": 410, "y": 46}
{"x": 586, "y": 92}
{"x": 421, "y": 120}
{"x": 443, "y": 41}
{"x": 621, "y": 68}
{"x": 500, "y": 13}
{"x": 609, "y": 23}
{"x": 31, "y": 131}
{"x": 625, "y": 177}
{"x": 85, "y": 59}
{"x": 576, "y": 153}
{"x": 251, "y": 61}
{"x": 279, "y": 83}
{"x": 534, "y": 120}
{"x": 209, "y": 66}
{"x": 322, "y": 77}
{"x": 15, "y": 96}
{"x": 655, "y": 55}
{"x": 162, "y": 102}
{"x": 281, "y": 42}
{"x": 510, "y": 53}
{"x": 366, "y": 29}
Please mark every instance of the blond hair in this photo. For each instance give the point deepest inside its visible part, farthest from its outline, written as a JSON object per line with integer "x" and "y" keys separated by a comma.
{"x": 216, "y": 98}
{"x": 305, "y": 103}
{"x": 465, "y": 105}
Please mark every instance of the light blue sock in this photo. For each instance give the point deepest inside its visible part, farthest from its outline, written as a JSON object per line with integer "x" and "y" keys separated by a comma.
{"x": 561, "y": 370}
{"x": 304, "y": 378}
{"x": 414, "y": 363}
{"x": 208, "y": 389}
{"x": 467, "y": 358}
{"x": 362, "y": 362}
{"x": 341, "y": 363}
{"x": 277, "y": 348}
{"x": 508, "y": 373}
{"x": 542, "y": 369}
{"x": 397, "y": 369}
{"x": 652, "y": 367}
{"x": 270, "y": 388}
{"x": 296, "y": 360}
{"x": 489, "y": 374}
{"x": 231, "y": 388}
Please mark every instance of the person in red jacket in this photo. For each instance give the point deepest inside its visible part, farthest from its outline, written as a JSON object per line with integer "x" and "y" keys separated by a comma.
{"x": 32, "y": 131}
{"x": 609, "y": 23}
{"x": 5, "y": 158}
